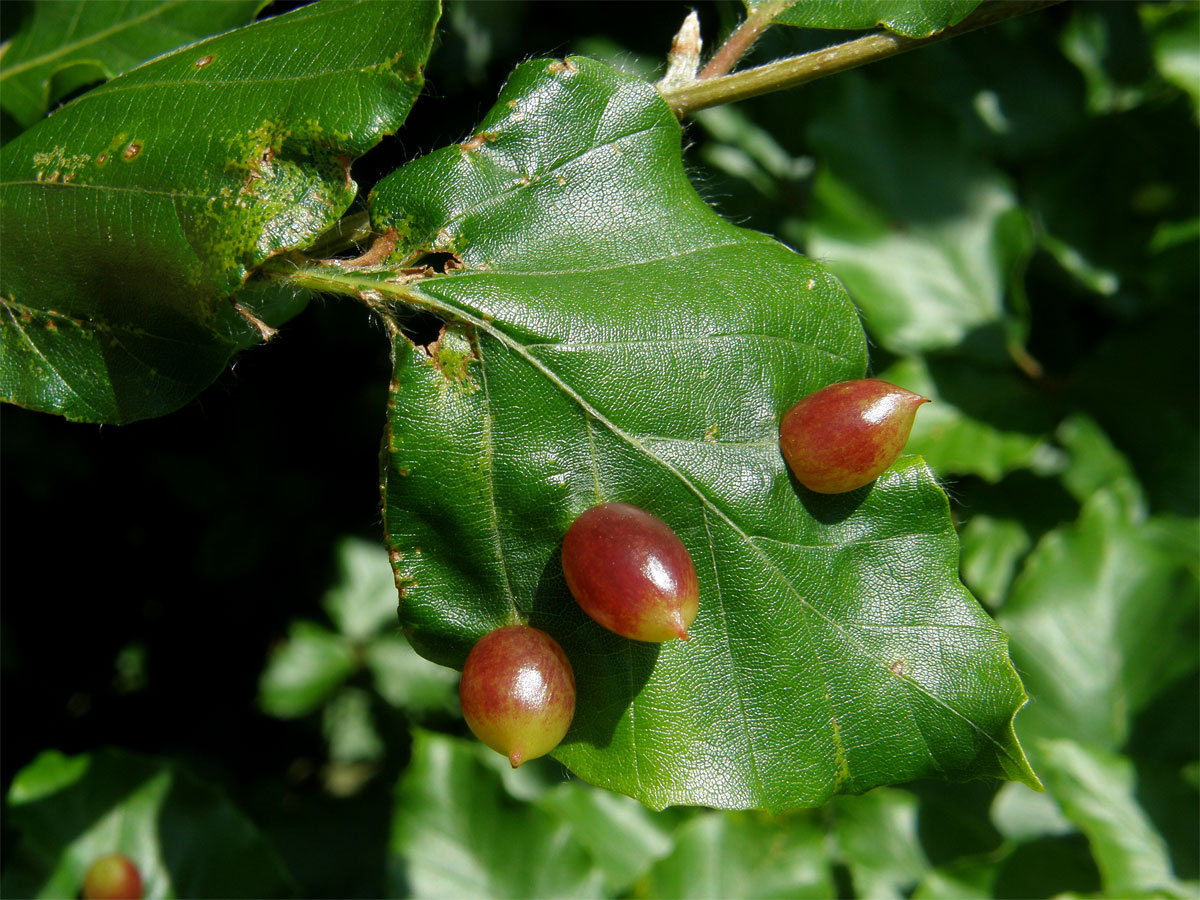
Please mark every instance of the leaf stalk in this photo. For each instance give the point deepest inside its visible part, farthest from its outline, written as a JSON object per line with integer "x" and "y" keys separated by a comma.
{"x": 797, "y": 70}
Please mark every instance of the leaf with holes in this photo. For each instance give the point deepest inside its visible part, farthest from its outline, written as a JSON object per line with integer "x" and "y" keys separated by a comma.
{"x": 130, "y": 214}
{"x": 609, "y": 338}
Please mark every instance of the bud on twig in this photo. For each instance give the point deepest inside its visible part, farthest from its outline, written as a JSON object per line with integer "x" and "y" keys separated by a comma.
{"x": 683, "y": 62}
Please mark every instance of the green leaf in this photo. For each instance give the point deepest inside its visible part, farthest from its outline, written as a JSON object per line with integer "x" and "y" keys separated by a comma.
{"x": 64, "y": 46}
{"x": 303, "y": 671}
{"x": 1024, "y": 815}
{"x": 1096, "y": 465}
{"x": 184, "y": 836}
{"x": 407, "y": 681}
{"x": 131, "y": 213}
{"x": 456, "y": 833}
{"x": 1096, "y": 790}
{"x": 611, "y": 338}
{"x": 992, "y": 548}
{"x": 878, "y": 842}
{"x": 623, "y": 837}
{"x": 363, "y": 600}
{"x": 1106, "y": 42}
{"x": 1172, "y": 28}
{"x": 915, "y": 20}
{"x": 349, "y": 728}
{"x": 1102, "y": 619}
{"x": 737, "y": 855}
{"x": 969, "y": 880}
{"x": 926, "y": 239}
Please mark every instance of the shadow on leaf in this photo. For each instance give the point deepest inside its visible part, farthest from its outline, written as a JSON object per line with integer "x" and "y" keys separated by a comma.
{"x": 610, "y": 671}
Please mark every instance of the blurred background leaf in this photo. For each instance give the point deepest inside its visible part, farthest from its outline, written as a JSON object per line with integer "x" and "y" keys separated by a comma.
{"x": 62, "y": 47}
{"x": 908, "y": 19}
{"x": 73, "y": 810}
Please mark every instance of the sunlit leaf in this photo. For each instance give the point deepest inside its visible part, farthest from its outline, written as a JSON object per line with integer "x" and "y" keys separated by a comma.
{"x": 735, "y": 855}
{"x": 1097, "y": 791}
{"x": 613, "y": 339}
{"x": 926, "y": 239}
{"x": 878, "y": 842}
{"x": 983, "y": 421}
{"x": 362, "y": 602}
{"x": 303, "y": 671}
{"x": 1103, "y": 616}
{"x": 456, "y": 833}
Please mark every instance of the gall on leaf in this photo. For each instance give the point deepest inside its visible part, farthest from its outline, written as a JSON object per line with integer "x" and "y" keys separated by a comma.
{"x": 518, "y": 692}
{"x": 112, "y": 877}
{"x": 844, "y": 436}
{"x": 631, "y": 573}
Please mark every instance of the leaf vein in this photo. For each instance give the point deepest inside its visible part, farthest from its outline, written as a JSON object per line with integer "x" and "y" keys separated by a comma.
{"x": 737, "y": 686}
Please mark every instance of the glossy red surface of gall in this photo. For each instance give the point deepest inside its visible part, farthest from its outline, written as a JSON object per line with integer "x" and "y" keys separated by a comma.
{"x": 631, "y": 573}
{"x": 518, "y": 692}
{"x": 112, "y": 877}
{"x": 846, "y": 435}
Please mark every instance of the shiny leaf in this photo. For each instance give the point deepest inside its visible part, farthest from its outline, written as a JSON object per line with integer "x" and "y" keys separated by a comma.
{"x": 1097, "y": 791}
{"x": 982, "y": 421}
{"x": 1103, "y": 616}
{"x": 163, "y": 188}
{"x": 609, "y": 338}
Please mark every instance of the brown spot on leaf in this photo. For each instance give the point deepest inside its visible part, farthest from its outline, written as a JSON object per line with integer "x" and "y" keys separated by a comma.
{"x": 452, "y": 351}
{"x": 132, "y": 149}
{"x": 484, "y": 137}
{"x": 897, "y": 667}
{"x": 203, "y": 61}
{"x": 564, "y": 65}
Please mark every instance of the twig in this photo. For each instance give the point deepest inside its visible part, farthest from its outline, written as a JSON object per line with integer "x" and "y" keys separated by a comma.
{"x": 797, "y": 70}
{"x": 739, "y": 43}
